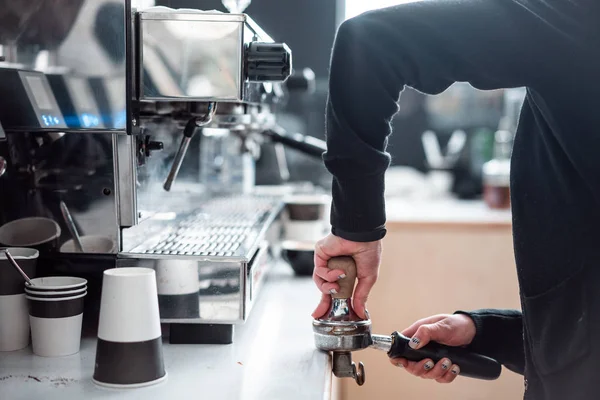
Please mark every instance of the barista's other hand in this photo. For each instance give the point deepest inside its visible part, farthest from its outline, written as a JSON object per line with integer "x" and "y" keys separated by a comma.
{"x": 367, "y": 257}
{"x": 451, "y": 330}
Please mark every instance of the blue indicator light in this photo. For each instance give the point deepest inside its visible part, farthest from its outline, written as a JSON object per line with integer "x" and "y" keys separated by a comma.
{"x": 90, "y": 120}
{"x": 50, "y": 120}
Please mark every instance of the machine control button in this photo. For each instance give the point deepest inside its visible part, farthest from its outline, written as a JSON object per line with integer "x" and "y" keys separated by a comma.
{"x": 268, "y": 62}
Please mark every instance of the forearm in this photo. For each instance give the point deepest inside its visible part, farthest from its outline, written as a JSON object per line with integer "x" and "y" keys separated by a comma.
{"x": 429, "y": 46}
{"x": 500, "y": 336}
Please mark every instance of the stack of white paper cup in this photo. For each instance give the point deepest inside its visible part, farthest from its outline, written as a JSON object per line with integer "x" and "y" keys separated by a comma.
{"x": 56, "y": 314}
{"x": 129, "y": 349}
{"x": 14, "y": 317}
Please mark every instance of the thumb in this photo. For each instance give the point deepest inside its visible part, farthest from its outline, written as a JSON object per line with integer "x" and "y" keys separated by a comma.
{"x": 361, "y": 294}
{"x": 427, "y": 333}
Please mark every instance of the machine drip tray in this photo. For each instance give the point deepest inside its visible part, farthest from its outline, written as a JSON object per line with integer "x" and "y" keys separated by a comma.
{"x": 221, "y": 227}
{"x": 210, "y": 263}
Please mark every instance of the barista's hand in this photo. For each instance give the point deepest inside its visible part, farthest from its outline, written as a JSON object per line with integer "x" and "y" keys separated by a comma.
{"x": 451, "y": 330}
{"x": 367, "y": 257}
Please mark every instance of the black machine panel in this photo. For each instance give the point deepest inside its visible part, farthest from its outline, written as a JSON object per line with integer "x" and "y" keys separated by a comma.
{"x": 76, "y": 100}
{"x": 27, "y": 102}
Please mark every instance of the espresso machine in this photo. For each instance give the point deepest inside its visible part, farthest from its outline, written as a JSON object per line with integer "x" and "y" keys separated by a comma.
{"x": 136, "y": 130}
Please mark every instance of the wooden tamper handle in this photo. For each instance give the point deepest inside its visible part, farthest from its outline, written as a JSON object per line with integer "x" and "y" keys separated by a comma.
{"x": 348, "y": 265}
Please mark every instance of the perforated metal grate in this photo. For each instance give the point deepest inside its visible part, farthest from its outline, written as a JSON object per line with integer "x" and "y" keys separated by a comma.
{"x": 219, "y": 228}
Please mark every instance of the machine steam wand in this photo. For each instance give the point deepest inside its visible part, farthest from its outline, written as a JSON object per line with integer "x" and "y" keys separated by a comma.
{"x": 188, "y": 132}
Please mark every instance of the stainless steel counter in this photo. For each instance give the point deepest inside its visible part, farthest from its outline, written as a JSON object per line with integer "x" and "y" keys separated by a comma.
{"x": 273, "y": 357}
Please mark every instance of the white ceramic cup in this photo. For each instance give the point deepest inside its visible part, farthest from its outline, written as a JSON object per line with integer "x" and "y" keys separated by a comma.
{"x": 91, "y": 244}
{"x": 304, "y": 231}
{"x": 129, "y": 324}
{"x": 305, "y": 217}
{"x": 56, "y": 325}
{"x": 176, "y": 277}
{"x": 178, "y": 288}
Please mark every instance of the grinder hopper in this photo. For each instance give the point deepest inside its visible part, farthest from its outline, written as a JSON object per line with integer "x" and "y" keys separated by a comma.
{"x": 341, "y": 332}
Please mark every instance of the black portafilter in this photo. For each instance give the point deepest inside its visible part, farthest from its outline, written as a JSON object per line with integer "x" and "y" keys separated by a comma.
{"x": 472, "y": 365}
{"x": 342, "y": 332}
{"x": 308, "y": 145}
{"x": 302, "y": 81}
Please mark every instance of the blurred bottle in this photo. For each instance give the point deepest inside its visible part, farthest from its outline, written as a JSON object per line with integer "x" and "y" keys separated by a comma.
{"x": 496, "y": 172}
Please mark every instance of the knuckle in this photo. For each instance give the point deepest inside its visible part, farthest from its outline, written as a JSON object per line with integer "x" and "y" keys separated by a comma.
{"x": 321, "y": 246}
{"x": 423, "y": 331}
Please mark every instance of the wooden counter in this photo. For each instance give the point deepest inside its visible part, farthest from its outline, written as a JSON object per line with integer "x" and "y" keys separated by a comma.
{"x": 439, "y": 256}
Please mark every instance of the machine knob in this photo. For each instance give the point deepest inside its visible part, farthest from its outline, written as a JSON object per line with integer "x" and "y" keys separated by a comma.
{"x": 150, "y": 145}
{"x": 268, "y": 62}
{"x": 155, "y": 146}
{"x": 301, "y": 81}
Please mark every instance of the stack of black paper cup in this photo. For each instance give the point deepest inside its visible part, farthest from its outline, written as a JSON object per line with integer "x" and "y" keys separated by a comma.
{"x": 56, "y": 314}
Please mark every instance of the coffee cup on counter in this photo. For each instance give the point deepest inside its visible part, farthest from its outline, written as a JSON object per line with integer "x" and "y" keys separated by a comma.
{"x": 178, "y": 288}
{"x": 305, "y": 217}
{"x": 56, "y": 321}
{"x": 129, "y": 348}
{"x": 14, "y": 315}
{"x": 33, "y": 232}
{"x": 300, "y": 256}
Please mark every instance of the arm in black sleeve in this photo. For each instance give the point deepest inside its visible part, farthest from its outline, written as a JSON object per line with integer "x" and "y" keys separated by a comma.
{"x": 427, "y": 45}
{"x": 499, "y": 336}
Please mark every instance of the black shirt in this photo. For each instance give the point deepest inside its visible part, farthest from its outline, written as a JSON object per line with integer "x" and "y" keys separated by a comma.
{"x": 551, "y": 47}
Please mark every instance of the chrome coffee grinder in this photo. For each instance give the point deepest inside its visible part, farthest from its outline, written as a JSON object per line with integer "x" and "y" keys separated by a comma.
{"x": 341, "y": 332}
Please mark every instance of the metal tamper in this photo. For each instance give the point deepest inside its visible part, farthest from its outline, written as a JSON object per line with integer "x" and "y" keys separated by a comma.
{"x": 341, "y": 332}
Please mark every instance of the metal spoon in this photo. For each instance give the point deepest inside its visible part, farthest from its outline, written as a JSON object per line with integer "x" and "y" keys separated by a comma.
{"x": 71, "y": 225}
{"x": 14, "y": 264}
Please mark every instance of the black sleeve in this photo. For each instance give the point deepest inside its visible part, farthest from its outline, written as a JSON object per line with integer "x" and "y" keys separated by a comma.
{"x": 427, "y": 45}
{"x": 499, "y": 336}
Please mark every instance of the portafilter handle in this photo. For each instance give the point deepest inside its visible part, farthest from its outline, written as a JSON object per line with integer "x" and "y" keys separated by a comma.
{"x": 472, "y": 365}
{"x": 305, "y": 144}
